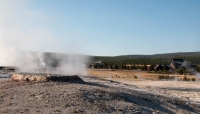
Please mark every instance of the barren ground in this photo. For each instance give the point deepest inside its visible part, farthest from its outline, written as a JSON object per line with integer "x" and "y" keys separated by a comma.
{"x": 149, "y": 81}
{"x": 99, "y": 95}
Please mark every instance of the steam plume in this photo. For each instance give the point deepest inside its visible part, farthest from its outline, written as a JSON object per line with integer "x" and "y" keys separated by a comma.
{"x": 40, "y": 57}
{"x": 198, "y": 75}
{"x": 24, "y": 31}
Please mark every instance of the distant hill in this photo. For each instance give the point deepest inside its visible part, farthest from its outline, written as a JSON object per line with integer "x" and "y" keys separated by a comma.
{"x": 165, "y": 55}
{"x": 193, "y": 57}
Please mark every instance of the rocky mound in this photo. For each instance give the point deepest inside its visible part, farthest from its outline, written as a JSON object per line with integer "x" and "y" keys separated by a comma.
{"x": 43, "y": 77}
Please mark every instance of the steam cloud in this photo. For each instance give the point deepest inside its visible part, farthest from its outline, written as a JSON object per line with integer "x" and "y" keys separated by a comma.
{"x": 198, "y": 75}
{"x": 25, "y": 35}
{"x": 186, "y": 65}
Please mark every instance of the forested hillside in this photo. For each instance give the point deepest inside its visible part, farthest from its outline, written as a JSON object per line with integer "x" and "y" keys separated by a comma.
{"x": 192, "y": 57}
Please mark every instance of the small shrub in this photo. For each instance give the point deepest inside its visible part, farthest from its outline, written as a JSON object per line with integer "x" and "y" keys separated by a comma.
{"x": 165, "y": 77}
{"x": 185, "y": 78}
{"x": 135, "y": 77}
{"x": 161, "y": 77}
{"x": 181, "y": 70}
{"x": 193, "y": 79}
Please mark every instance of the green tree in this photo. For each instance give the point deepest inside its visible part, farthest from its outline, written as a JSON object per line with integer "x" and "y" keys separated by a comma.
{"x": 151, "y": 68}
{"x": 144, "y": 67}
{"x": 124, "y": 66}
{"x": 197, "y": 68}
{"x": 116, "y": 66}
{"x": 105, "y": 65}
{"x": 131, "y": 67}
{"x": 134, "y": 67}
{"x": 181, "y": 70}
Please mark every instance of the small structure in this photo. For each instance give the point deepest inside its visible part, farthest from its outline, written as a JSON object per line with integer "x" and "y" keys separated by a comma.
{"x": 158, "y": 68}
{"x": 137, "y": 66}
{"x": 98, "y": 64}
{"x": 10, "y": 68}
{"x": 176, "y": 63}
{"x": 162, "y": 68}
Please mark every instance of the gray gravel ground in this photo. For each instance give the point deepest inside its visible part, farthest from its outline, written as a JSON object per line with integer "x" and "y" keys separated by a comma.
{"x": 64, "y": 97}
{"x": 85, "y": 98}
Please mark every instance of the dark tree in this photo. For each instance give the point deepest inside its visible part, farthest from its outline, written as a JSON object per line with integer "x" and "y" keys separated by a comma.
{"x": 181, "y": 70}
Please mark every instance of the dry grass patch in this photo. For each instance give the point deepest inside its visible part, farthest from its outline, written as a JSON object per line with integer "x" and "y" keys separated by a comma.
{"x": 130, "y": 75}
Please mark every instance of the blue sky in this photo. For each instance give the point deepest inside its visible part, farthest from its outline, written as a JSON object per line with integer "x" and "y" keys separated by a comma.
{"x": 114, "y": 27}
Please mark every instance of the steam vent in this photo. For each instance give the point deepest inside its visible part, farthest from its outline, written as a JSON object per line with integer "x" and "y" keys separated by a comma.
{"x": 43, "y": 77}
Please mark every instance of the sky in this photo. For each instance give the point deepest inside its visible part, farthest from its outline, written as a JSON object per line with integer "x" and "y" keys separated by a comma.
{"x": 100, "y": 27}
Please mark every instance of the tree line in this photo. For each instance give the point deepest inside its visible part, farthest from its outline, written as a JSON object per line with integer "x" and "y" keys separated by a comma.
{"x": 126, "y": 63}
